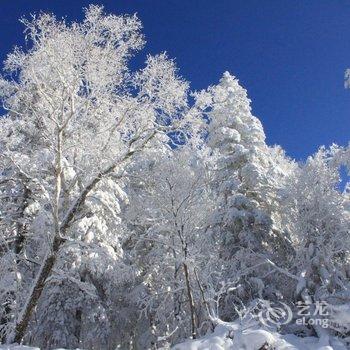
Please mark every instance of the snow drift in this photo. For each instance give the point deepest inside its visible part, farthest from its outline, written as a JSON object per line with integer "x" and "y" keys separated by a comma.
{"x": 232, "y": 336}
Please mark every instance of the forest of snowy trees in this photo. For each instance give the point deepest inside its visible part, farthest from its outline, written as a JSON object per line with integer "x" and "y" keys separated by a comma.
{"x": 136, "y": 214}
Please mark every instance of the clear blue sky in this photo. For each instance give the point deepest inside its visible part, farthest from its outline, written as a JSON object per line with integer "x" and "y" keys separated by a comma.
{"x": 289, "y": 54}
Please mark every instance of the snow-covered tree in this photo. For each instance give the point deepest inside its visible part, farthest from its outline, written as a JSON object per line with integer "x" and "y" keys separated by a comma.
{"x": 18, "y": 253}
{"x": 318, "y": 221}
{"x": 168, "y": 213}
{"x": 132, "y": 218}
{"x": 76, "y": 116}
{"x": 249, "y": 179}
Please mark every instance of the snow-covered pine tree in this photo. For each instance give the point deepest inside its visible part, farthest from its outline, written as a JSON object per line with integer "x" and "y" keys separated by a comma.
{"x": 250, "y": 176}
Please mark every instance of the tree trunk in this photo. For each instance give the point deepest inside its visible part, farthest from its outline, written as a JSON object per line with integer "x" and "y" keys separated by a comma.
{"x": 33, "y": 298}
{"x": 190, "y": 301}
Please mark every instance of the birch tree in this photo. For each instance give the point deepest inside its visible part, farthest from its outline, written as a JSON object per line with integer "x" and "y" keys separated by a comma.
{"x": 73, "y": 106}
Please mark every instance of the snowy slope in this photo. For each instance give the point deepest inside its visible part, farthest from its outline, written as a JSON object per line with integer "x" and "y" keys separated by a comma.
{"x": 231, "y": 337}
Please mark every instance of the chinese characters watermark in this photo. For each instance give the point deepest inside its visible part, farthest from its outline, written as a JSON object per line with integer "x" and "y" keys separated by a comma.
{"x": 272, "y": 314}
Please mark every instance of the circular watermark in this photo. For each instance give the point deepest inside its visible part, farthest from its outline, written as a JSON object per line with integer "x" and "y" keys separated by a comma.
{"x": 274, "y": 314}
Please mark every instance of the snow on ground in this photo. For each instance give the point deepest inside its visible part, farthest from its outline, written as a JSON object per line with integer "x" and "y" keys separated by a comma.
{"x": 231, "y": 337}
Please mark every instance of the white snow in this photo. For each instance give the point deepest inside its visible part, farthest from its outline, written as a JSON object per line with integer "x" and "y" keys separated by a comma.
{"x": 233, "y": 337}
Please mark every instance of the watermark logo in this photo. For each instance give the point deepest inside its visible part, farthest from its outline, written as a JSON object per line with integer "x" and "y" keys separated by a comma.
{"x": 313, "y": 314}
{"x": 274, "y": 314}
{"x": 308, "y": 314}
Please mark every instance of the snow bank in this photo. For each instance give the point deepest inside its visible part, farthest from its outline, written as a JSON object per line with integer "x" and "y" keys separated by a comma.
{"x": 232, "y": 337}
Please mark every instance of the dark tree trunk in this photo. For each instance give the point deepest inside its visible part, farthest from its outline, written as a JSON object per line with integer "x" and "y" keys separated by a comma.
{"x": 190, "y": 301}
{"x": 44, "y": 273}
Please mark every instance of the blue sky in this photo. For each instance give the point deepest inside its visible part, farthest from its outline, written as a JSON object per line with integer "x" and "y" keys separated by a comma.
{"x": 290, "y": 54}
